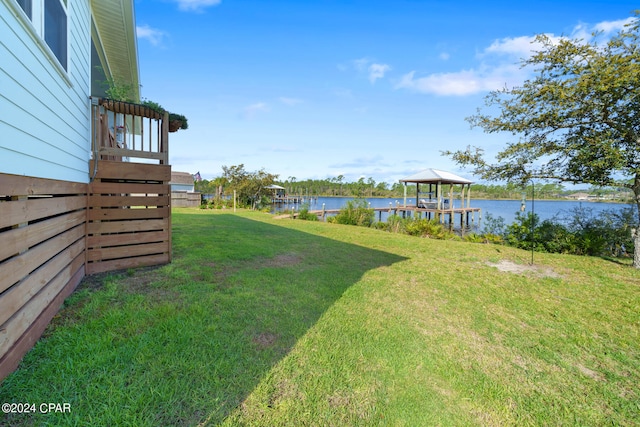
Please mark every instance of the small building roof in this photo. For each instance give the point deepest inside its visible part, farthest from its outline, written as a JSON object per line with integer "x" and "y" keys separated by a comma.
{"x": 274, "y": 187}
{"x": 181, "y": 178}
{"x": 436, "y": 175}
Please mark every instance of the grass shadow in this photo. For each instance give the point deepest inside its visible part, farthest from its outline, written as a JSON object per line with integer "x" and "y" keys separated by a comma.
{"x": 187, "y": 343}
{"x": 627, "y": 261}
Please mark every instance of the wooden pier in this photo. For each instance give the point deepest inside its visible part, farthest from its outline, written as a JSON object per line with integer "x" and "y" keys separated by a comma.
{"x": 290, "y": 199}
{"x": 436, "y": 203}
{"x": 444, "y": 216}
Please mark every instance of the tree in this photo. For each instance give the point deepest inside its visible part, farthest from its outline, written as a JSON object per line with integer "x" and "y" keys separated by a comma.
{"x": 577, "y": 120}
{"x": 249, "y": 186}
{"x": 382, "y": 188}
{"x": 339, "y": 179}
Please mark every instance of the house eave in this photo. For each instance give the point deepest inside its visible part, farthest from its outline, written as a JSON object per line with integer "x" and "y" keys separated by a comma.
{"x": 113, "y": 30}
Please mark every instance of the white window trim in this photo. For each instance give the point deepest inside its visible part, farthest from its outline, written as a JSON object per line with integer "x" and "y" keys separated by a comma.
{"x": 37, "y": 33}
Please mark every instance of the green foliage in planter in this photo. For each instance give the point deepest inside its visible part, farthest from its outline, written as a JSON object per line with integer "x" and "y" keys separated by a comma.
{"x": 172, "y": 116}
{"x": 119, "y": 91}
{"x": 153, "y": 105}
{"x": 181, "y": 118}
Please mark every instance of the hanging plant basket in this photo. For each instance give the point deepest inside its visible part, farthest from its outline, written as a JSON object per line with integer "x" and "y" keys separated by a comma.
{"x": 177, "y": 121}
{"x": 174, "y": 125}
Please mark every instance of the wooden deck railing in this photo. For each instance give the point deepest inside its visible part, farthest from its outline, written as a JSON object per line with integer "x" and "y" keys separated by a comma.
{"x": 123, "y": 131}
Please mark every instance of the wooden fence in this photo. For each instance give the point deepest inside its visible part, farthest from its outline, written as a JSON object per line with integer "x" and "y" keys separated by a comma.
{"x": 180, "y": 199}
{"x": 52, "y": 233}
{"x": 129, "y": 217}
{"x": 42, "y": 257}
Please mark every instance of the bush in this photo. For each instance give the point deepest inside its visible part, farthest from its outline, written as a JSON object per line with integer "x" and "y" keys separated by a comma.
{"x": 420, "y": 227}
{"x": 608, "y": 233}
{"x": 217, "y": 203}
{"x": 394, "y": 224}
{"x": 579, "y": 232}
{"x": 356, "y": 212}
{"x": 493, "y": 238}
{"x": 474, "y": 238}
{"x": 427, "y": 228}
{"x": 494, "y": 226}
{"x": 556, "y": 238}
{"x": 304, "y": 214}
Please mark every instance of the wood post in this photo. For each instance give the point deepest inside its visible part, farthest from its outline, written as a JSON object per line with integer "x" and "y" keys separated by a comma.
{"x": 164, "y": 148}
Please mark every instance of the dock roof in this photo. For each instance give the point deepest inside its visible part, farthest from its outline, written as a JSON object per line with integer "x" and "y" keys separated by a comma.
{"x": 436, "y": 175}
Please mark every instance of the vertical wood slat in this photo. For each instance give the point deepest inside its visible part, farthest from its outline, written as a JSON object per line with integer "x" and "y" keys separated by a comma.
{"x": 105, "y": 145}
{"x": 164, "y": 148}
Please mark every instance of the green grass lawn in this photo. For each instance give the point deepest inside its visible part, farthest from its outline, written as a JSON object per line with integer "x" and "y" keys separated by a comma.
{"x": 272, "y": 322}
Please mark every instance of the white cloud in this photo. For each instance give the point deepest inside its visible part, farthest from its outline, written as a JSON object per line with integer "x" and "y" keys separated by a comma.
{"x": 152, "y": 35}
{"x": 252, "y": 110}
{"x": 373, "y": 70}
{"x": 196, "y": 5}
{"x": 465, "y": 82}
{"x": 511, "y": 46}
{"x": 377, "y": 71}
{"x": 581, "y": 32}
{"x": 459, "y": 83}
{"x": 609, "y": 27}
{"x": 290, "y": 101}
{"x": 444, "y": 56}
{"x": 498, "y": 65}
{"x": 361, "y": 64}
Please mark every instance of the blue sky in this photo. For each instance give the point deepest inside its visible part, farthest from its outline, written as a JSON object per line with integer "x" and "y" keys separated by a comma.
{"x": 317, "y": 89}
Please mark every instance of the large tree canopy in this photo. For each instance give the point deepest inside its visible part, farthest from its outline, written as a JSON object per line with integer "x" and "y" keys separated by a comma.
{"x": 577, "y": 120}
{"x": 250, "y": 186}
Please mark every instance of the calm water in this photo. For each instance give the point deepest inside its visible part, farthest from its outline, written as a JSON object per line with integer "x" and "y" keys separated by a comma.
{"x": 507, "y": 209}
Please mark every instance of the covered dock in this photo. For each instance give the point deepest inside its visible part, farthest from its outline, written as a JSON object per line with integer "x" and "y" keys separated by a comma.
{"x": 440, "y": 194}
{"x": 279, "y": 195}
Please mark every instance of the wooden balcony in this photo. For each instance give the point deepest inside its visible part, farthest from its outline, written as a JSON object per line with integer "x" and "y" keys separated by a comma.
{"x": 123, "y": 131}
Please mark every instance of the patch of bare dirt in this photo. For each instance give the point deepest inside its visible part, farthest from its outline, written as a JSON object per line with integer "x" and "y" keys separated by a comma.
{"x": 283, "y": 216}
{"x": 283, "y": 260}
{"x": 265, "y": 340}
{"x": 338, "y": 400}
{"x": 597, "y": 376}
{"x": 139, "y": 281}
{"x": 512, "y": 267}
